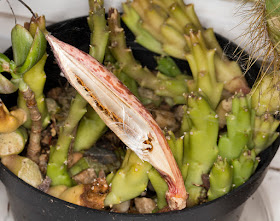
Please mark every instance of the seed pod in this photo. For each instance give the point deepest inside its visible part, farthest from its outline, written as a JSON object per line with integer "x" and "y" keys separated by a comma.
{"x": 123, "y": 113}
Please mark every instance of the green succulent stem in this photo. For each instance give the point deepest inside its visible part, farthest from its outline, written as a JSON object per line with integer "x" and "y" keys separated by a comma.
{"x": 162, "y": 85}
{"x": 88, "y": 162}
{"x": 265, "y": 96}
{"x": 264, "y": 132}
{"x": 143, "y": 37}
{"x": 160, "y": 186}
{"x": 244, "y": 167}
{"x": 129, "y": 181}
{"x": 201, "y": 61}
{"x": 57, "y": 165}
{"x": 167, "y": 66}
{"x": 168, "y": 22}
{"x": 35, "y": 78}
{"x": 200, "y": 155}
{"x": 99, "y": 30}
{"x": 90, "y": 129}
{"x": 177, "y": 147}
{"x": 220, "y": 177}
{"x": 240, "y": 123}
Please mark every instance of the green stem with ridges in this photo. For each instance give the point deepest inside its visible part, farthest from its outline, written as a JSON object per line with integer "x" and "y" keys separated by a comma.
{"x": 174, "y": 43}
{"x": 201, "y": 61}
{"x": 182, "y": 19}
{"x": 239, "y": 128}
{"x": 265, "y": 95}
{"x": 200, "y": 155}
{"x": 264, "y": 132}
{"x": 99, "y": 30}
{"x": 160, "y": 186}
{"x": 179, "y": 19}
{"x": 167, "y": 66}
{"x": 129, "y": 181}
{"x": 88, "y": 162}
{"x": 143, "y": 37}
{"x": 185, "y": 123}
{"x": 90, "y": 129}
{"x": 162, "y": 85}
{"x": 35, "y": 78}
{"x": 244, "y": 167}
{"x": 176, "y": 146}
{"x": 57, "y": 166}
{"x": 152, "y": 17}
{"x": 220, "y": 178}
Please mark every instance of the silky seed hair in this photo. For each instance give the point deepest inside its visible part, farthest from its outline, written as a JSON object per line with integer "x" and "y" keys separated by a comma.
{"x": 261, "y": 48}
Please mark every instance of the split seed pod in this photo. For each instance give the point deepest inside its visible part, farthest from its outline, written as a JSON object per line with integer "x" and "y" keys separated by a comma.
{"x": 123, "y": 114}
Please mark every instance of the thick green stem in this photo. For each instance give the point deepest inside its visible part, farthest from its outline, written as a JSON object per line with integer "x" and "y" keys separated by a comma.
{"x": 200, "y": 155}
{"x": 201, "y": 61}
{"x": 35, "y": 78}
{"x": 162, "y": 85}
{"x": 152, "y": 17}
{"x": 160, "y": 186}
{"x": 90, "y": 129}
{"x": 244, "y": 167}
{"x": 265, "y": 94}
{"x": 143, "y": 37}
{"x": 88, "y": 162}
{"x": 129, "y": 181}
{"x": 239, "y": 128}
{"x": 220, "y": 179}
{"x": 167, "y": 66}
{"x": 99, "y": 30}
{"x": 264, "y": 132}
{"x": 176, "y": 146}
{"x": 57, "y": 166}
{"x": 169, "y": 21}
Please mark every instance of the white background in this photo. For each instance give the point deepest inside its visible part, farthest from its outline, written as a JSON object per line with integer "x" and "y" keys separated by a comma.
{"x": 220, "y": 14}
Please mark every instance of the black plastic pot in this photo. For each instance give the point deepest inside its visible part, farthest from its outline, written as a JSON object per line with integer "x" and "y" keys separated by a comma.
{"x": 28, "y": 203}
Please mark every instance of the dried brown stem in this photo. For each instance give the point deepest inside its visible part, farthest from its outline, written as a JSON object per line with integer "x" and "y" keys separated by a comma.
{"x": 34, "y": 146}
